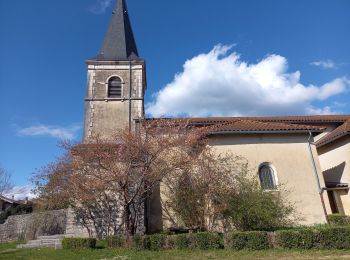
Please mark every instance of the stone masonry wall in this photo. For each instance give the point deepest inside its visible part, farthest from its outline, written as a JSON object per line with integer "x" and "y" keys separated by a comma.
{"x": 32, "y": 225}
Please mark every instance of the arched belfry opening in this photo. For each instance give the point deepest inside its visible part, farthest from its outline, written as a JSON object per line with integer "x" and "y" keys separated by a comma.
{"x": 114, "y": 86}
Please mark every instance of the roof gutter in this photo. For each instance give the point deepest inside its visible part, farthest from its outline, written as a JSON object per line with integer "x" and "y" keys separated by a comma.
{"x": 320, "y": 188}
{"x": 265, "y": 132}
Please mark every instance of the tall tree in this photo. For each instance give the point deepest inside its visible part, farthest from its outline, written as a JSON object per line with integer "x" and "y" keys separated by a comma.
{"x": 107, "y": 183}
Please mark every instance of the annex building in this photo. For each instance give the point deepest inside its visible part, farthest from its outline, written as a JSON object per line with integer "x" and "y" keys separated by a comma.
{"x": 310, "y": 155}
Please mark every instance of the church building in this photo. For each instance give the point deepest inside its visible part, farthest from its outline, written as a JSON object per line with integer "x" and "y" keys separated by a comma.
{"x": 309, "y": 155}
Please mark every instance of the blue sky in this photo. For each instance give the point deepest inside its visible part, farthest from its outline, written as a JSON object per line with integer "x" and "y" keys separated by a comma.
{"x": 295, "y": 57}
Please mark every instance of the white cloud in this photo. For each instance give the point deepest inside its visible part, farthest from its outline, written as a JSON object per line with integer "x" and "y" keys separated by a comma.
{"x": 100, "y": 6}
{"x": 219, "y": 83}
{"x": 64, "y": 133}
{"x": 325, "y": 64}
{"x": 20, "y": 192}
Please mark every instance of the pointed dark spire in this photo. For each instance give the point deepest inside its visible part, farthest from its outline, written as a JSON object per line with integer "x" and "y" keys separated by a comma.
{"x": 119, "y": 43}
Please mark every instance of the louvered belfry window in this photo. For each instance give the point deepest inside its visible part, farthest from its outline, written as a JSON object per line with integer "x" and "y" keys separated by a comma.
{"x": 115, "y": 87}
{"x": 267, "y": 178}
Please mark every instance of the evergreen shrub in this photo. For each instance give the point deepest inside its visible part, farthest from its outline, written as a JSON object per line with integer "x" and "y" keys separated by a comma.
{"x": 254, "y": 240}
{"x": 116, "y": 241}
{"x": 155, "y": 242}
{"x": 138, "y": 242}
{"x": 333, "y": 238}
{"x": 78, "y": 243}
{"x": 182, "y": 241}
{"x": 339, "y": 219}
{"x": 296, "y": 239}
{"x": 206, "y": 241}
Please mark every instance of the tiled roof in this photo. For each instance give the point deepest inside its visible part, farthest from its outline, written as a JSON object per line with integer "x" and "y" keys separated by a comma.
{"x": 249, "y": 126}
{"x": 273, "y": 124}
{"x": 287, "y": 119}
{"x": 306, "y": 119}
{"x": 337, "y": 133}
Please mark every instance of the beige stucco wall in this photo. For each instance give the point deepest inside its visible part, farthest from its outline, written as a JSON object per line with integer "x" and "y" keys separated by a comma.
{"x": 335, "y": 163}
{"x": 289, "y": 155}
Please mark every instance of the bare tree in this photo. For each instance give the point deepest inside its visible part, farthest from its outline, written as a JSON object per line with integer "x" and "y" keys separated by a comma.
{"x": 5, "y": 181}
{"x": 221, "y": 192}
{"x": 107, "y": 183}
{"x": 196, "y": 197}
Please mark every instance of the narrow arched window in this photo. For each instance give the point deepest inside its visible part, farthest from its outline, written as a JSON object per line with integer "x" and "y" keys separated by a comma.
{"x": 114, "y": 87}
{"x": 267, "y": 177}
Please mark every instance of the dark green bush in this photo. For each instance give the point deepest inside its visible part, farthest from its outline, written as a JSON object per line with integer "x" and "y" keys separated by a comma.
{"x": 138, "y": 242}
{"x": 155, "y": 242}
{"x": 254, "y": 240}
{"x": 116, "y": 241}
{"x": 170, "y": 242}
{"x": 323, "y": 238}
{"x": 338, "y": 219}
{"x": 78, "y": 243}
{"x": 182, "y": 241}
{"x": 296, "y": 239}
{"x": 333, "y": 238}
{"x": 206, "y": 241}
{"x": 253, "y": 209}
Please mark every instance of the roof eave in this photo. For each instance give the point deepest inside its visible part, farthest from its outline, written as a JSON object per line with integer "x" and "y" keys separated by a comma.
{"x": 113, "y": 62}
{"x": 335, "y": 138}
{"x": 265, "y": 132}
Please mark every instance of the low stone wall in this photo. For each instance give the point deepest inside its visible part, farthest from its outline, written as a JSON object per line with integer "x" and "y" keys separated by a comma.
{"x": 73, "y": 228}
{"x": 31, "y": 226}
{"x": 47, "y": 223}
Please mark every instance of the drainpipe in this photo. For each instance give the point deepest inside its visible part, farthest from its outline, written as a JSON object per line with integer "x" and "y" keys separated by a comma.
{"x": 129, "y": 115}
{"x": 320, "y": 189}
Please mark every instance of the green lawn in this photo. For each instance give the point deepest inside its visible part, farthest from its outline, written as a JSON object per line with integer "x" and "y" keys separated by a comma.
{"x": 7, "y": 246}
{"x": 8, "y": 251}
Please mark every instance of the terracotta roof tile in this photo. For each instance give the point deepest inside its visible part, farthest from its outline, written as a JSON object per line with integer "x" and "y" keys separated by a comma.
{"x": 337, "y": 133}
{"x": 287, "y": 119}
{"x": 256, "y": 126}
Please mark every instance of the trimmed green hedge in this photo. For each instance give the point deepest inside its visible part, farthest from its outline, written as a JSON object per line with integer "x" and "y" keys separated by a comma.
{"x": 138, "y": 242}
{"x": 334, "y": 238}
{"x": 296, "y": 239}
{"x": 321, "y": 238}
{"x": 182, "y": 241}
{"x": 206, "y": 241}
{"x": 255, "y": 240}
{"x": 203, "y": 241}
{"x": 116, "y": 241}
{"x": 327, "y": 237}
{"x": 155, "y": 242}
{"x": 338, "y": 219}
{"x": 78, "y": 243}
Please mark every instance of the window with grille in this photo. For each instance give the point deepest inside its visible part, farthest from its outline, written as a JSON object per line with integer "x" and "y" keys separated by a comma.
{"x": 267, "y": 178}
{"x": 115, "y": 87}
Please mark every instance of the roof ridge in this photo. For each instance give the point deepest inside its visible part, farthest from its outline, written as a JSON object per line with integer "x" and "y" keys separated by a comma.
{"x": 275, "y": 123}
{"x": 294, "y": 119}
{"x": 246, "y": 125}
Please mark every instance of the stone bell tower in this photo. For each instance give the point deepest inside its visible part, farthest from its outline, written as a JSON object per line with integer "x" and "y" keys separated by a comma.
{"x": 116, "y": 81}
